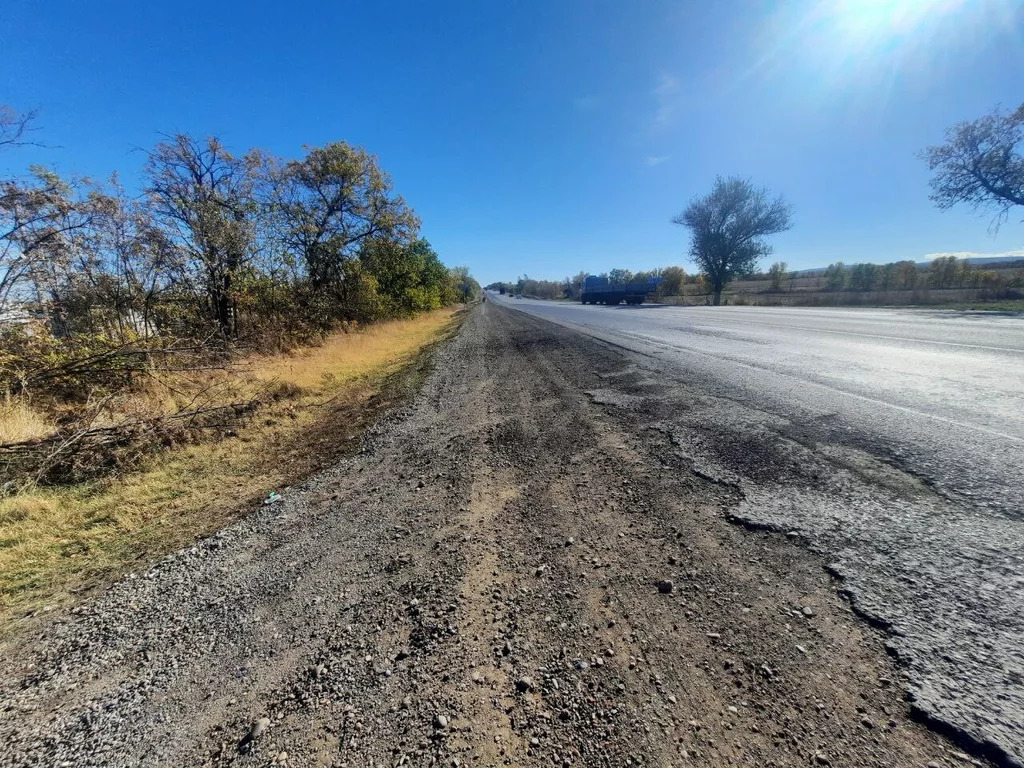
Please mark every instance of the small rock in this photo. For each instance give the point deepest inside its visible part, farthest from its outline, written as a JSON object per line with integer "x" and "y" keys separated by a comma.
{"x": 524, "y": 684}
{"x": 867, "y": 722}
{"x": 441, "y": 722}
{"x": 282, "y": 757}
{"x": 820, "y": 759}
{"x": 807, "y": 611}
{"x": 259, "y": 727}
{"x": 665, "y": 586}
{"x": 733, "y": 710}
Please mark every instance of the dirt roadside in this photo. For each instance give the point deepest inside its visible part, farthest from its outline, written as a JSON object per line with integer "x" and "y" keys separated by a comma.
{"x": 508, "y": 574}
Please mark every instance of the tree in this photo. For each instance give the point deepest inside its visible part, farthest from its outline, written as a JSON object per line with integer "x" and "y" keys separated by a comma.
{"x": 573, "y": 286}
{"x": 39, "y": 220}
{"x": 464, "y": 284}
{"x": 835, "y": 276}
{"x": 410, "y": 278}
{"x": 981, "y": 164}
{"x": 333, "y": 200}
{"x": 13, "y": 126}
{"x": 863, "y": 276}
{"x": 777, "y": 273}
{"x": 672, "y": 279}
{"x": 203, "y": 196}
{"x": 620, "y": 277}
{"x": 947, "y": 272}
{"x": 905, "y": 275}
{"x": 727, "y": 227}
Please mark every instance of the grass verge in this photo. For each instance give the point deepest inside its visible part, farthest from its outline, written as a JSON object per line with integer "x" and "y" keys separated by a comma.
{"x": 58, "y": 543}
{"x": 1005, "y": 305}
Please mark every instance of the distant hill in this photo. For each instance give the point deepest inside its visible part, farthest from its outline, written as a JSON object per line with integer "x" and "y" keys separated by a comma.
{"x": 986, "y": 259}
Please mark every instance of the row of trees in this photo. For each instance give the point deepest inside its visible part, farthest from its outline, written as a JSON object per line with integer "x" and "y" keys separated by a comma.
{"x": 942, "y": 272}
{"x": 670, "y": 281}
{"x": 217, "y": 246}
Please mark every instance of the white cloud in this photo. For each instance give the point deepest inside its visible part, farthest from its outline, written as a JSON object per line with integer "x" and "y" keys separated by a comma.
{"x": 652, "y": 160}
{"x": 665, "y": 93}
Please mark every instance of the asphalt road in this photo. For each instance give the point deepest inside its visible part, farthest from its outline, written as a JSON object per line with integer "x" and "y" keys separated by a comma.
{"x": 890, "y": 441}
{"x": 942, "y": 390}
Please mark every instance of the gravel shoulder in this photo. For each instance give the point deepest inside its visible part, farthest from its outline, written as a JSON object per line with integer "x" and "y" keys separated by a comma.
{"x": 526, "y": 566}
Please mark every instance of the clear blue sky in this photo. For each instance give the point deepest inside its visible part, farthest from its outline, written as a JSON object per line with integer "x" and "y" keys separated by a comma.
{"x": 548, "y": 136}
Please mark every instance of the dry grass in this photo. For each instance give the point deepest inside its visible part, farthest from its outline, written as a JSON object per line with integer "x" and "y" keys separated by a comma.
{"x": 20, "y": 421}
{"x": 57, "y": 541}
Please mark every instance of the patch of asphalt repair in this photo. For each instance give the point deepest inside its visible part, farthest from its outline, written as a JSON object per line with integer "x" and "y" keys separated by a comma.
{"x": 509, "y": 573}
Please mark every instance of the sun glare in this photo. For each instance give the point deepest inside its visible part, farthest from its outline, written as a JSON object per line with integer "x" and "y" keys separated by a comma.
{"x": 873, "y": 19}
{"x": 827, "y": 45}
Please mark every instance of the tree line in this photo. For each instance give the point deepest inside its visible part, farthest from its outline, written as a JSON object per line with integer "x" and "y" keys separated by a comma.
{"x": 218, "y": 246}
{"x": 942, "y": 272}
{"x": 670, "y": 281}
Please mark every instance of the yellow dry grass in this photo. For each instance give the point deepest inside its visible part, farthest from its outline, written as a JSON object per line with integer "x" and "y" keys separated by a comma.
{"x": 56, "y": 541}
{"x": 20, "y": 421}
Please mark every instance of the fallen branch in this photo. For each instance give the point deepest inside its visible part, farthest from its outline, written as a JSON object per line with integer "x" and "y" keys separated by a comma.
{"x": 73, "y": 455}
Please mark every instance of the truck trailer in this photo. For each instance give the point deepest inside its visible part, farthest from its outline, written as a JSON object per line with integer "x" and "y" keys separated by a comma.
{"x": 598, "y": 290}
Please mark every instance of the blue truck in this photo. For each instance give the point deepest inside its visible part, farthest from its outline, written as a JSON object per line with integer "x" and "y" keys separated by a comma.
{"x": 598, "y": 290}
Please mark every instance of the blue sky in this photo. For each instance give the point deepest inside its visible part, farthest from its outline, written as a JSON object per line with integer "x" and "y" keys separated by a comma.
{"x": 553, "y": 136}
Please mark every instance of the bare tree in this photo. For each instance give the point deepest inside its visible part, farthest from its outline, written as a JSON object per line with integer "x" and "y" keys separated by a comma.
{"x": 203, "y": 196}
{"x": 777, "y": 273}
{"x": 727, "y": 227}
{"x": 39, "y": 219}
{"x": 14, "y": 126}
{"x": 981, "y": 165}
